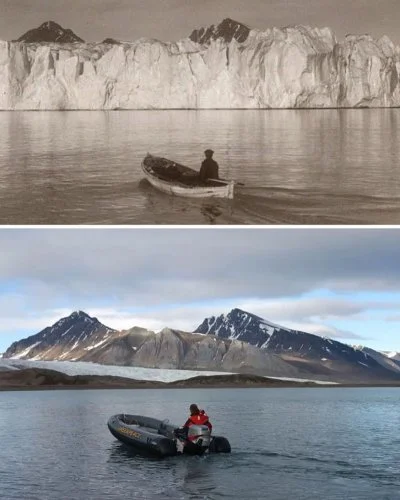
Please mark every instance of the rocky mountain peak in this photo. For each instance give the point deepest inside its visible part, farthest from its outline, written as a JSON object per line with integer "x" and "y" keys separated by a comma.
{"x": 76, "y": 317}
{"x": 238, "y": 325}
{"x": 81, "y": 315}
{"x": 239, "y": 313}
{"x": 78, "y": 330}
{"x": 51, "y": 26}
{"x": 111, "y": 41}
{"x": 228, "y": 30}
{"x": 50, "y": 31}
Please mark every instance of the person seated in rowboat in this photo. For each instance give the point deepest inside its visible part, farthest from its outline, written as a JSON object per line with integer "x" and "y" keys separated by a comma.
{"x": 209, "y": 167}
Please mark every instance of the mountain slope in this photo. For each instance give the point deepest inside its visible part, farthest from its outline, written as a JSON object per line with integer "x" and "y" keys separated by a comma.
{"x": 394, "y": 356}
{"x": 174, "y": 349}
{"x": 318, "y": 355}
{"x": 388, "y": 362}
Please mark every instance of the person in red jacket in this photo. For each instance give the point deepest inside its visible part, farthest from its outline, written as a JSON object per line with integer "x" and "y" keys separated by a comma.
{"x": 197, "y": 417}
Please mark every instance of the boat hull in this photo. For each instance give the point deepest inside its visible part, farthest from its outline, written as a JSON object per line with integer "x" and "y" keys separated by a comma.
{"x": 142, "y": 435}
{"x": 156, "y": 437}
{"x": 213, "y": 189}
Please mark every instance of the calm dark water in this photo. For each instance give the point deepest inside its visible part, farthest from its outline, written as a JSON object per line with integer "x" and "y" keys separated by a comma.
{"x": 286, "y": 444}
{"x": 298, "y": 166}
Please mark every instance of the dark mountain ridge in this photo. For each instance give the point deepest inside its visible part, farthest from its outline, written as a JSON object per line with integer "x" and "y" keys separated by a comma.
{"x": 52, "y": 32}
{"x": 49, "y": 32}
{"x": 228, "y": 30}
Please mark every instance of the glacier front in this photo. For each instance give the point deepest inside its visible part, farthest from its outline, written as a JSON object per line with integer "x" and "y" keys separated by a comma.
{"x": 292, "y": 67}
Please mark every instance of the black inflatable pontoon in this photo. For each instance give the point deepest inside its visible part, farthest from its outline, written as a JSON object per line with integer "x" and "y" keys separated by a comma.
{"x": 158, "y": 437}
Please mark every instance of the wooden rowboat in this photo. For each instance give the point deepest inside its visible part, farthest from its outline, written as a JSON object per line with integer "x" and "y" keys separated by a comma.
{"x": 172, "y": 178}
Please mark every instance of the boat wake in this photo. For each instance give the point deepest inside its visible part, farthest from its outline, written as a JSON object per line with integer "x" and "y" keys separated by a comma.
{"x": 255, "y": 206}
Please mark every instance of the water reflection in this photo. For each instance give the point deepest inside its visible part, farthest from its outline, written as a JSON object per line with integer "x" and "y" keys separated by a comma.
{"x": 84, "y": 167}
{"x": 194, "y": 477}
{"x": 120, "y": 453}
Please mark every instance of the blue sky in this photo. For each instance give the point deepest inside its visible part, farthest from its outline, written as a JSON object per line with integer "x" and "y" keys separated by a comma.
{"x": 94, "y": 20}
{"x": 341, "y": 283}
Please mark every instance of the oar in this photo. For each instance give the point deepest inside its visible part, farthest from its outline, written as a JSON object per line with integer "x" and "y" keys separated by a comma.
{"x": 226, "y": 181}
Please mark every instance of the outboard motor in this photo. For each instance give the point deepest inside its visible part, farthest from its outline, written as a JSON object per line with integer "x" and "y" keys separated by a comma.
{"x": 199, "y": 436}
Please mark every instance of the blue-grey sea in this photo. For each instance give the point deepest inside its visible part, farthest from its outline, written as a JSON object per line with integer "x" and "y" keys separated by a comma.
{"x": 300, "y": 443}
{"x": 297, "y": 166}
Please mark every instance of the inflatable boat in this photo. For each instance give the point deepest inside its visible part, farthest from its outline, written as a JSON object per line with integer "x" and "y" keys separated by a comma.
{"x": 162, "y": 439}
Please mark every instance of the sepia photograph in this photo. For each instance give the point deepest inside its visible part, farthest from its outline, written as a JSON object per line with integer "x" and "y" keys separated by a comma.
{"x": 199, "y": 112}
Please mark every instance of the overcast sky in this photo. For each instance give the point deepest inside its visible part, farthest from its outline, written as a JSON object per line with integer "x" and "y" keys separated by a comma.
{"x": 343, "y": 283}
{"x": 94, "y": 20}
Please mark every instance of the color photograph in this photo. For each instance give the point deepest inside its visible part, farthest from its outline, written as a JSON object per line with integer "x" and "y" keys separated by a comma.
{"x": 188, "y": 363}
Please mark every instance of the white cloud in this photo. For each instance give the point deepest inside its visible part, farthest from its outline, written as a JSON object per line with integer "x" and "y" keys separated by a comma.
{"x": 322, "y": 330}
{"x": 177, "y": 277}
{"x": 166, "y": 266}
{"x": 186, "y": 318}
{"x": 320, "y": 308}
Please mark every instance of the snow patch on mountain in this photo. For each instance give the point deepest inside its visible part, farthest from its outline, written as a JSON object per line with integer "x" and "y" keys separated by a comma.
{"x": 25, "y": 352}
{"x": 393, "y": 355}
{"x": 89, "y": 348}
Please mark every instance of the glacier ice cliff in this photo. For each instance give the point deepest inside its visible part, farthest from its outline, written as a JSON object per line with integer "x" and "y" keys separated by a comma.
{"x": 293, "y": 67}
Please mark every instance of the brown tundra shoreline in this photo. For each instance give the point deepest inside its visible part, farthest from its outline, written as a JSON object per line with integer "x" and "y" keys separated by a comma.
{"x": 44, "y": 379}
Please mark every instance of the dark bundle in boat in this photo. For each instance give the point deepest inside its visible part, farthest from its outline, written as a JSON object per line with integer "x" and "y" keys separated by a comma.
{"x": 171, "y": 171}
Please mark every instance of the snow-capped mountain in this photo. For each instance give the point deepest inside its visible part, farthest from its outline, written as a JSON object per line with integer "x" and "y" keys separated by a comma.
{"x": 303, "y": 350}
{"x": 82, "y": 338}
{"x": 223, "y": 66}
{"x": 236, "y": 342}
{"x": 240, "y": 325}
{"x": 69, "y": 338}
{"x": 50, "y": 32}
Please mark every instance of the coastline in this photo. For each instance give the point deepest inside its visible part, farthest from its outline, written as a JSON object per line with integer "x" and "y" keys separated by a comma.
{"x": 33, "y": 379}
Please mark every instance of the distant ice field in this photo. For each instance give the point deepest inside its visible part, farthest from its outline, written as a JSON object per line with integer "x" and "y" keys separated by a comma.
{"x": 133, "y": 372}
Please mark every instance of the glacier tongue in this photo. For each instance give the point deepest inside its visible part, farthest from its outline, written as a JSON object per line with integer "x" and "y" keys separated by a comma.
{"x": 293, "y": 67}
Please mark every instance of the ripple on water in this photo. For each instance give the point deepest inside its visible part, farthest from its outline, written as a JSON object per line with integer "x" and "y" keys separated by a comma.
{"x": 298, "y": 166}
